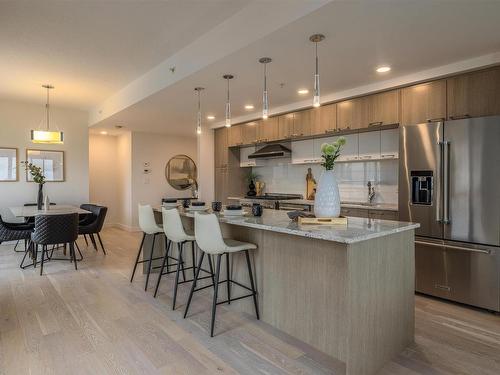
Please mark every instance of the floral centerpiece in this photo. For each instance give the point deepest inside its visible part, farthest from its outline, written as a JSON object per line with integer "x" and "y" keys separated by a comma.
{"x": 327, "y": 199}
{"x": 38, "y": 177}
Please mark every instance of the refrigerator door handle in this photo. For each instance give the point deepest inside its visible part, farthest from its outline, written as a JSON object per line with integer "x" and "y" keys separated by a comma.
{"x": 446, "y": 182}
{"x": 439, "y": 167}
{"x": 453, "y": 247}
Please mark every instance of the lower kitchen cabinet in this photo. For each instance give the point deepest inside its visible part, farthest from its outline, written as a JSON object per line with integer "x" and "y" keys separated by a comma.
{"x": 383, "y": 214}
{"x": 355, "y": 212}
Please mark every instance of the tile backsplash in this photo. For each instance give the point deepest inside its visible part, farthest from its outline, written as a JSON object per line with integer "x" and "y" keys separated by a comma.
{"x": 282, "y": 177}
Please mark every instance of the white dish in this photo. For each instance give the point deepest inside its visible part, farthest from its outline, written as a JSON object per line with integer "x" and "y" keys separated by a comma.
{"x": 170, "y": 205}
{"x": 233, "y": 212}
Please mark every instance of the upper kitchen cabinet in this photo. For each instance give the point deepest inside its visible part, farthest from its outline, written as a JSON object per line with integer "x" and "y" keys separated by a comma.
{"x": 302, "y": 122}
{"x": 351, "y": 114}
{"x": 249, "y": 132}
{"x": 381, "y": 109}
{"x": 474, "y": 94}
{"x": 285, "y": 125}
{"x": 424, "y": 103}
{"x": 234, "y": 136}
{"x": 369, "y": 145}
{"x": 267, "y": 130}
{"x": 389, "y": 144}
{"x": 221, "y": 147}
{"x": 324, "y": 119}
{"x": 350, "y": 151}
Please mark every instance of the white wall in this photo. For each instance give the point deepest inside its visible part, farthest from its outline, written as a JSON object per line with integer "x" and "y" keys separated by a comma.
{"x": 156, "y": 149}
{"x": 16, "y": 121}
{"x": 103, "y": 159}
{"x": 206, "y": 165}
{"x": 281, "y": 177}
{"x": 123, "y": 183}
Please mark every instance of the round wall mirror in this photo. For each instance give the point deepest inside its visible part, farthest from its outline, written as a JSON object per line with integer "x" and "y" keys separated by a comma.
{"x": 180, "y": 172}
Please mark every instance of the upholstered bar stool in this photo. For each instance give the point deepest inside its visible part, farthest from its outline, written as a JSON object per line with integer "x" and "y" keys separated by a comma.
{"x": 210, "y": 241}
{"x": 174, "y": 230}
{"x": 148, "y": 225}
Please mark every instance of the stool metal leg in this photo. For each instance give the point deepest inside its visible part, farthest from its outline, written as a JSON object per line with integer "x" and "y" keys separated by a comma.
{"x": 211, "y": 269}
{"x": 180, "y": 264}
{"x": 138, "y": 256}
{"x": 165, "y": 259}
{"x": 150, "y": 263}
{"x": 228, "y": 280}
{"x": 254, "y": 292}
{"x": 214, "y": 302}
{"x": 193, "y": 258}
{"x": 194, "y": 284}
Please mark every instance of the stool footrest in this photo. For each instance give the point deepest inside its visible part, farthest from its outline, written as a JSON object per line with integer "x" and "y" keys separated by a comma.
{"x": 237, "y": 298}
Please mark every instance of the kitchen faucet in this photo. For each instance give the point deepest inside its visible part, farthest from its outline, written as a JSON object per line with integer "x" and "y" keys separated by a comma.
{"x": 371, "y": 191}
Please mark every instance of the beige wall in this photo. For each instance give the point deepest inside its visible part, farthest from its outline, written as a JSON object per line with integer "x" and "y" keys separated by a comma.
{"x": 205, "y": 144}
{"x": 123, "y": 182}
{"x": 16, "y": 121}
{"x": 156, "y": 150}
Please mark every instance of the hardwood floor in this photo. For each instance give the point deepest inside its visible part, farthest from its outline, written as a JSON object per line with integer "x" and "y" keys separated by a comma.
{"x": 93, "y": 321}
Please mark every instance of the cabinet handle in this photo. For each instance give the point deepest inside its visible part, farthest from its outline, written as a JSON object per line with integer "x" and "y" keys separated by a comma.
{"x": 375, "y": 123}
{"x": 331, "y": 131}
{"x": 437, "y": 119}
{"x": 387, "y": 156}
{"x": 460, "y": 117}
{"x": 365, "y": 157}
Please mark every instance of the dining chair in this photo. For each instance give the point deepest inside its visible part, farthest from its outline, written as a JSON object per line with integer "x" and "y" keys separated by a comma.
{"x": 54, "y": 230}
{"x": 16, "y": 232}
{"x": 92, "y": 224}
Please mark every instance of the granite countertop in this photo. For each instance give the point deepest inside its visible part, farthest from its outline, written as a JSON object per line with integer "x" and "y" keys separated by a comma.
{"x": 374, "y": 206}
{"x": 357, "y": 229}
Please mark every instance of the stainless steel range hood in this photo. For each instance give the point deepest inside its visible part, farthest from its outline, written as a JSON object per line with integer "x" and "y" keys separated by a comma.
{"x": 275, "y": 150}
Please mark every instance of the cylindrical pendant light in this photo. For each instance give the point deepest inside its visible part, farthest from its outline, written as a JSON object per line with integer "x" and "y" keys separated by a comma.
{"x": 46, "y": 135}
{"x": 198, "y": 115}
{"x": 228, "y": 77}
{"x": 265, "y": 96}
{"x": 316, "y": 38}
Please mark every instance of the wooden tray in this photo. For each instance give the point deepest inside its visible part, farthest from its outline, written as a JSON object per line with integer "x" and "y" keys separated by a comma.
{"x": 341, "y": 220}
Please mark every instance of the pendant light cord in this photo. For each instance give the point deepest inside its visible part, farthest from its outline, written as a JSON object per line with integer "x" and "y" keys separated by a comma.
{"x": 47, "y": 105}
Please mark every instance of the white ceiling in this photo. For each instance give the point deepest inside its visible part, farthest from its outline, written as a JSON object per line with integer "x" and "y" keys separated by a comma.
{"x": 91, "y": 49}
{"x": 410, "y": 36}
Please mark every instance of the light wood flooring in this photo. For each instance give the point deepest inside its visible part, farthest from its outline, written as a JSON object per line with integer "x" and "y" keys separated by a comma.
{"x": 93, "y": 321}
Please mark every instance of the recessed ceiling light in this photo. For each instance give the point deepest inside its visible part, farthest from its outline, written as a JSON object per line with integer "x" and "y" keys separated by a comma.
{"x": 104, "y": 132}
{"x": 383, "y": 69}
{"x": 210, "y": 117}
{"x": 303, "y": 91}
{"x": 249, "y": 106}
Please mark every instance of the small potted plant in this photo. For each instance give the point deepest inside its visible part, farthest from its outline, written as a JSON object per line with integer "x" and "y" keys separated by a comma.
{"x": 38, "y": 177}
{"x": 327, "y": 199}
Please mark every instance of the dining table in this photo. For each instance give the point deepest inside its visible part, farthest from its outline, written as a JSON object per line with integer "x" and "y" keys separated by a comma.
{"x": 60, "y": 209}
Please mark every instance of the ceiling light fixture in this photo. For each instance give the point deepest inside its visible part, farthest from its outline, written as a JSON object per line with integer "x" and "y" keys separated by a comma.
{"x": 383, "y": 69}
{"x": 265, "y": 97}
{"x": 198, "y": 115}
{"x": 249, "y": 106}
{"x": 316, "y": 38}
{"x": 228, "y": 77}
{"x": 47, "y": 136}
{"x": 303, "y": 91}
{"x": 210, "y": 117}
{"x": 104, "y": 132}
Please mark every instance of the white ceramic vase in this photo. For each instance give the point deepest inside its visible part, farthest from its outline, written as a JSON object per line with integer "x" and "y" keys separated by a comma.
{"x": 327, "y": 199}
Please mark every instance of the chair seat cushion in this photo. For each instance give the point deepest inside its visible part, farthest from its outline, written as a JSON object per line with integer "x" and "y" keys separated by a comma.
{"x": 234, "y": 245}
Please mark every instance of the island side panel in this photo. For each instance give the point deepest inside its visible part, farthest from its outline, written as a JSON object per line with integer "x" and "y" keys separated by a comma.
{"x": 305, "y": 288}
{"x": 381, "y": 306}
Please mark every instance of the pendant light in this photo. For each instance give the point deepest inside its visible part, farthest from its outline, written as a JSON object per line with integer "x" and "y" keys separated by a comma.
{"x": 198, "y": 116}
{"x": 265, "y": 97}
{"x": 228, "y": 77}
{"x": 316, "y": 38}
{"x": 46, "y": 135}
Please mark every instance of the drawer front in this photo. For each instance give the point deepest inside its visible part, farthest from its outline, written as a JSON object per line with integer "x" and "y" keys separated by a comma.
{"x": 383, "y": 215}
{"x": 354, "y": 212}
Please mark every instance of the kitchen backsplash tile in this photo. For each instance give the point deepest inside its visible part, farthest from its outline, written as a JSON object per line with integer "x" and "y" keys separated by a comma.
{"x": 282, "y": 177}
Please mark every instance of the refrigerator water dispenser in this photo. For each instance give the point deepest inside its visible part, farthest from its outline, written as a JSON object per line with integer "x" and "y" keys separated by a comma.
{"x": 421, "y": 187}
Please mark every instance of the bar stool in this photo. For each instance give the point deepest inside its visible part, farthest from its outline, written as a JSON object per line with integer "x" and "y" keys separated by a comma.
{"x": 174, "y": 230}
{"x": 148, "y": 225}
{"x": 209, "y": 239}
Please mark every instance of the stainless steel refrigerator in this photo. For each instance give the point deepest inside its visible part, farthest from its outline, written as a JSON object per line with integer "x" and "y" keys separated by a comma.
{"x": 450, "y": 183}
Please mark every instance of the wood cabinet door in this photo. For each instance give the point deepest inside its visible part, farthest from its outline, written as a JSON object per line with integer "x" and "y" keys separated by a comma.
{"x": 234, "y": 136}
{"x": 382, "y": 214}
{"x": 423, "y": 103}
{"x": 220, "y": 147}
{"x": 381, "y": 109}
{"x": 221, "y": 184}
{"x": 285, "y": 125}
{"x": 324, "y": 119}
{"x": 474, "y": 94}
{"x": 267, "y": 130}
{"x": 249, "y": 133}
{"x": 351, "y": 114}
{"x": 354, "y": 212}
{"x": 302, "y": 122}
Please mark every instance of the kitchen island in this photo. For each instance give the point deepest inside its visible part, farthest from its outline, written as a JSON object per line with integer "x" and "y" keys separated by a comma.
{"x": 345, "y": 290}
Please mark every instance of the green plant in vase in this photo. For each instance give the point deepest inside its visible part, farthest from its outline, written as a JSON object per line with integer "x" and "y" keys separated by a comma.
{"x": 38, "y": 177}
{"x": 327, "y": 198}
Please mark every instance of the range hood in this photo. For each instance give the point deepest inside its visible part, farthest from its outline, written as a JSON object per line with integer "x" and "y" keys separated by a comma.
{"x": 275, "y": 150}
